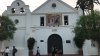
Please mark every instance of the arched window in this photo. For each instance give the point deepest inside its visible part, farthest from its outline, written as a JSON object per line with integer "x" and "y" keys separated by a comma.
{"x": 18, "y": 3}
{"x": 22, "y": 10}
{"x": 16, "y": 21}
{"x": 53, "y": 5}
{"x": 13, "y": 10}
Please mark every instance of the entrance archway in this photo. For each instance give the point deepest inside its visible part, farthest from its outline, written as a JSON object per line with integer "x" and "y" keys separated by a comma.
{"x": 54, "y": 40}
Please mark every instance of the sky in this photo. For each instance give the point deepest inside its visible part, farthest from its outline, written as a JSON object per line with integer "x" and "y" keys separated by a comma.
{"x": 35, "y": 3}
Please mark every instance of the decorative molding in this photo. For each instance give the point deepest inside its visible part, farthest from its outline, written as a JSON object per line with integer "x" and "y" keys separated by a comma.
{"x": 16, "y": 14}
{"x": 54, "y": 13}
{"x": 33, "y": 30}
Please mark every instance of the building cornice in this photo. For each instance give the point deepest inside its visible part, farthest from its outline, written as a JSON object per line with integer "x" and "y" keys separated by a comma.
{"x": 54, "y": 13}
{"x": 16, "y": 14}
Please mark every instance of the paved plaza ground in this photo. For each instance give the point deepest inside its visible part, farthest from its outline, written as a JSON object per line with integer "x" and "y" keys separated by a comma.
{"x": 63, "y": 55}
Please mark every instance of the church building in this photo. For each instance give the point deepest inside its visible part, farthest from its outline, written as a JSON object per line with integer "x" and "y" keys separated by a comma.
{"x": 51, "y": 25}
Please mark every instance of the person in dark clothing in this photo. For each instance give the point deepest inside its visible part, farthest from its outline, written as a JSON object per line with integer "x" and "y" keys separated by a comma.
{"x": 14, "y": 51}
{"x": 38, "y": 52}
{"x": 59, "y": 52}
{"x": 54, "y": 51}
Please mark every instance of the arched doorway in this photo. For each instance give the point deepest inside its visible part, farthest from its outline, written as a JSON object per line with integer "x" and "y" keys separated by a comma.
{"x": 54, "y": 40}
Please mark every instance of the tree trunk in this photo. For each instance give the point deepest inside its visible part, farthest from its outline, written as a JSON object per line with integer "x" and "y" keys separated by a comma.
{"x": 2, "y": 46}
{"x": 98, "y": 51}
{"x": 30, "y": 53}
{"x": 80, "y": 51}
{"x": 83, "y": 12}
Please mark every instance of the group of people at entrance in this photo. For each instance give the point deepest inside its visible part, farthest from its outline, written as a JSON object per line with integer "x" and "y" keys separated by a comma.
{"x": 56, "y": 52}
{"x": 7, "y": 51}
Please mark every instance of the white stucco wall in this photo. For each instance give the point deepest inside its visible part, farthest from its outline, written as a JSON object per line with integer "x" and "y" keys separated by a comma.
{"x": 47, "y": 7}
{"x": 35, "y": 20}
{"x": 21, "y": 19}
{"x": 88, "y": 49}
{"x": 65, "y": 33}
{"x": 72, "y": 19}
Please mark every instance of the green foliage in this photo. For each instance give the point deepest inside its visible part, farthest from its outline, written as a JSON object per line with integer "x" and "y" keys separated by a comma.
{"x": 79, "y": 41}
{"x": 86, "y": 5}
{"x": 30, "y": 43}
{"x": 7, "y": 28}
{"x": 87, "y": 27}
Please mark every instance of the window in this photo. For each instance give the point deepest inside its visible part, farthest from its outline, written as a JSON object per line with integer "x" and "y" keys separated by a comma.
{"x": 65, "y": 20}
{"x": 67, "y": 41}
{"x": 18, "y": 4}
{"x": 41, "y": 21}
{"x": 16, "y": 21}
{"x": 41, "y": 40}
{"x": 22, "y": 10}
{"x": 54, "y": 5}
{"x": 13, "y": 10}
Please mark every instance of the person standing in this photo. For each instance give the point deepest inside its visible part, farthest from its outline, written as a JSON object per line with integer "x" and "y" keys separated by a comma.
{"x": 6, "y": 51}
{"x": 59, "y": 52}
{"x": 38, "y": 52}
{"x": 54, "y": 51}
{"x": 14, "y": 51}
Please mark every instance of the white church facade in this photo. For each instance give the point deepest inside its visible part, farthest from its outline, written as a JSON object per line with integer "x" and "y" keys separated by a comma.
{"x": 50, "y": 25}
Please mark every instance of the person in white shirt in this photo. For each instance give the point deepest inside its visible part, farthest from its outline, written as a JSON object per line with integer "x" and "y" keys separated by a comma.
{"x": 6, "y": 51}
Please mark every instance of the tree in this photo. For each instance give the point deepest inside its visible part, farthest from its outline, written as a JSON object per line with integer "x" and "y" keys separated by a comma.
{"x": 7, "y": 28}
{"x": 30, "y": 45}
{"x": 86, "y": 5}
{"x": 80, "y": 34}
{"x": 85, "y": 25}
{"x": 86, "y": 28}
{"x": 81, "y": 4}
{"x": 79, "y": 42}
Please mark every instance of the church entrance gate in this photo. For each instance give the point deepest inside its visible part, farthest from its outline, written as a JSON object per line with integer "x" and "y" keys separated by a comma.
{"x": 54, "y": 40}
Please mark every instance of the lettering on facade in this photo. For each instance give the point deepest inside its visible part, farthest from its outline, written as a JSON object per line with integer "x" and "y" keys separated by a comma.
{"x": 54, "y": 30}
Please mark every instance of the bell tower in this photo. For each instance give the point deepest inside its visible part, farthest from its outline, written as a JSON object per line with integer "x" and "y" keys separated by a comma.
{"x": 18, "y": 7}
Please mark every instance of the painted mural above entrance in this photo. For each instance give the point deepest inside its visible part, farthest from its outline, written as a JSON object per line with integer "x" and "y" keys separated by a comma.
{"x": 53, "y": 19}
